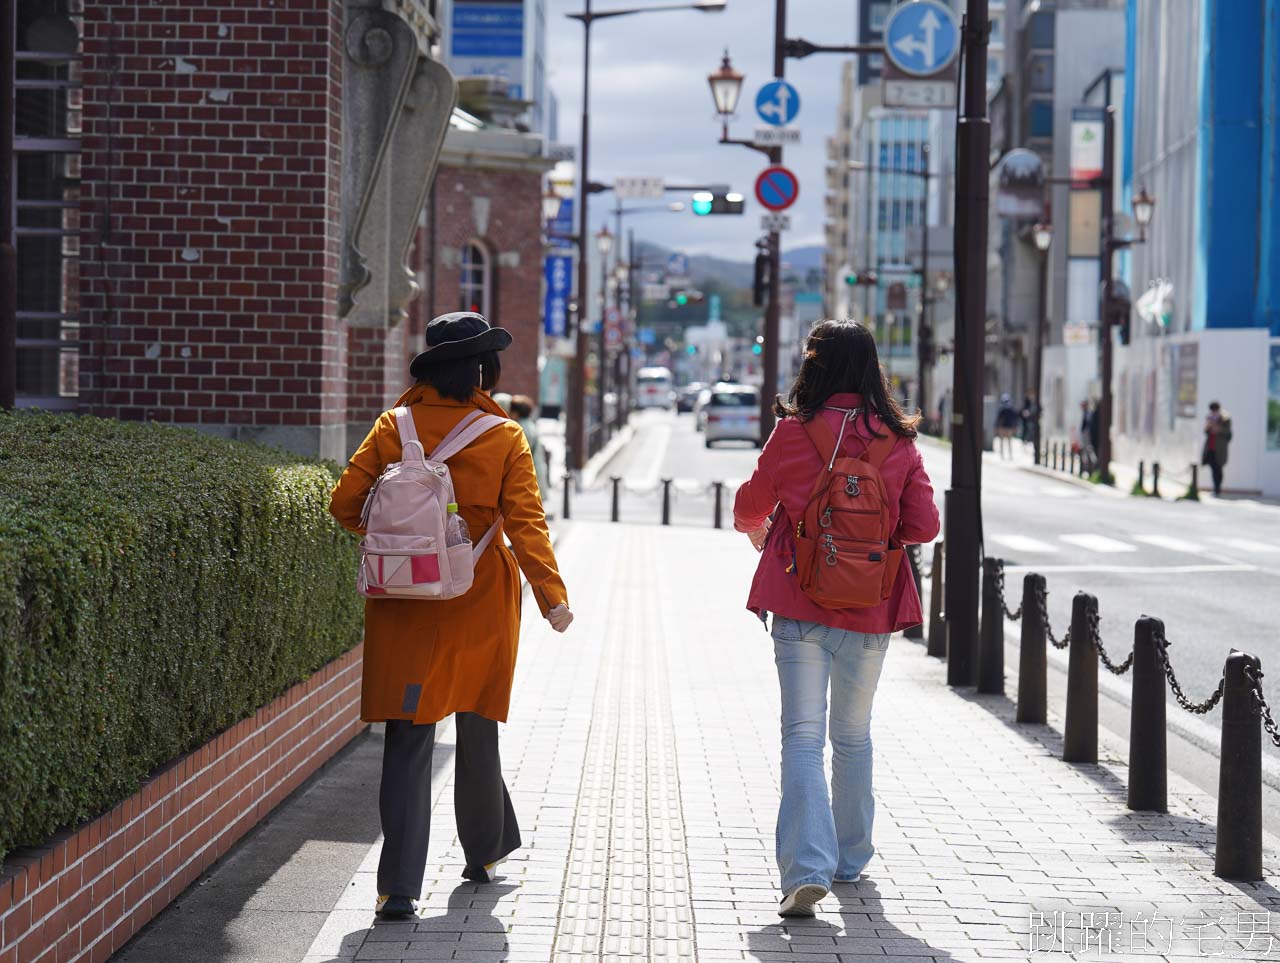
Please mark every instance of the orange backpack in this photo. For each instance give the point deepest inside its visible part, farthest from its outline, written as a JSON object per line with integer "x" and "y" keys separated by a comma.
{"x": 844, "y": 555}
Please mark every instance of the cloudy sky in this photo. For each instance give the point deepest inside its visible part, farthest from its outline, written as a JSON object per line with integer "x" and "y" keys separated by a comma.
{"x": 652, "y": 113}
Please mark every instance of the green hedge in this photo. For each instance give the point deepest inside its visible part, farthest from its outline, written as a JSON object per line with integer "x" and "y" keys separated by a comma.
{"x": 156, "y": 586}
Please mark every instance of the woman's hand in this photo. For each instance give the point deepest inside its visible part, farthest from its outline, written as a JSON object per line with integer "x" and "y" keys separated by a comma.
{"x": 560, "y": 617}
{"x": 760, "y": 534}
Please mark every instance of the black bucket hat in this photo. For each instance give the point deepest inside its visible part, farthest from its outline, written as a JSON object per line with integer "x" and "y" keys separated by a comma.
{"x": 459, "y": 335}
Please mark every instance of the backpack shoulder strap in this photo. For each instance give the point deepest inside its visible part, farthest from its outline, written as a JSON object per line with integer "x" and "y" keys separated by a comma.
{"x": 408, "y": 432}
{"x": 879, "y": 449}
{"x": 464, "y": 433}
{"x": 822, "y": 437}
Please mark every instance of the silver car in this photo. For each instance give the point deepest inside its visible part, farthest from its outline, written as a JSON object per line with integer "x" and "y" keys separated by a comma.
{"x": 732, "y": 413}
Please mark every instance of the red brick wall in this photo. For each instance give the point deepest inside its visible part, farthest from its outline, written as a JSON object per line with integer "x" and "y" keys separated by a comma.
{"x": 85, "y": 893}
{"x": 209, "y": 291}
{"x": 514, "y": 228}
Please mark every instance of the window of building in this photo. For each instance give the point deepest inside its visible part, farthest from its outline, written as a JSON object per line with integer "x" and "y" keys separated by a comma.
{"x": 476, "y": 285}
{"x": 879, "y": 14}
{"x": 884, "y": 155}
{"x": 1041, "y": 118}
{"x": 46, "y": 215}
{"x": 897, "y": 217}
{"x": 883, "y": 215}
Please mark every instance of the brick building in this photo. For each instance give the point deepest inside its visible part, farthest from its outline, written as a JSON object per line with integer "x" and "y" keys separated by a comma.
{"x": 224, "y": 216}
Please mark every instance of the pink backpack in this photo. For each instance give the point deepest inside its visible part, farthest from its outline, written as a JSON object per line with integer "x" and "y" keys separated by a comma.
{"x": 406, "y": 515}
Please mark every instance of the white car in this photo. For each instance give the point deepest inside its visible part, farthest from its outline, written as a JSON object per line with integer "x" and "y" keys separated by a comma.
{"x": 732, "y": 414}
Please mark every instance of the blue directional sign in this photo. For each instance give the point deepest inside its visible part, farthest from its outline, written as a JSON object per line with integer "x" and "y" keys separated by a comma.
{"x": 778, "y": 103}
{"x": 558, "y": 269}
{"x": 678, "y": 265}
{"x": 921, "y": 37}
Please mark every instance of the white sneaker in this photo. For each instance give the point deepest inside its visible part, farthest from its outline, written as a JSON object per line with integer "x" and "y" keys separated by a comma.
{"x": 802, "y": 900}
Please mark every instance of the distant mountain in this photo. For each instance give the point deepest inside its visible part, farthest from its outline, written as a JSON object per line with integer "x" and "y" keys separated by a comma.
{"x": 735, "y": 274}
{"x": 804, "y": 258}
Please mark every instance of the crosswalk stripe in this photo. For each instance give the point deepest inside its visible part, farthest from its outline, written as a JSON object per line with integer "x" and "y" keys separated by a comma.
{"x": 1169, "y": 542}
{"x": 1023, "y": 543}
{"x": 1248, "y": 545}
{"x": 1098, "y": 543}
{"x": 1060, "y": 491}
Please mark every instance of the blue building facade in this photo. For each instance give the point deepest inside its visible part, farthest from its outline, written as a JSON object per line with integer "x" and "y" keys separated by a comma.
{"x": 1200, "y": 133}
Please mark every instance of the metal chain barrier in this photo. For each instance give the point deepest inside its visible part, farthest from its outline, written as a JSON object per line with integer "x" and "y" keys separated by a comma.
{"x": 1199, "y": 708}
{"x": 1011, "y": 616}
{"x": 1095, "y": 621}
{"x": 1255, "y": 689}
{"x": 1048, "y": 629}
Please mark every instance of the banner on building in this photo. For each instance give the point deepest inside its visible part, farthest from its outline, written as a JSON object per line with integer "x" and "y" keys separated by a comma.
{"x": 1086, "y": 145}
{"x": 1273, "y": 400}
{"x": 487, "y": 39}
{"x": 558, "y": 272}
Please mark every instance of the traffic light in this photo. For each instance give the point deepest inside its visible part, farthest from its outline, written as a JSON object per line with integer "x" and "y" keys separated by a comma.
{"x": 691, "y": 349}
{"x": 758, "y": 347}
{"x": 682, "y": 299}
{"x": 705, "y": 203}
{"x": 760, "y": 280}
{"x": 869, "y": 278}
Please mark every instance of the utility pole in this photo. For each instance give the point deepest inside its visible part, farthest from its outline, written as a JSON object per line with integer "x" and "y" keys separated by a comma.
{"x": 576, "y": 415}
{"x": 773, "y": 306}
{"x": 924, "y": 337}
{"x": 1107, "y": 251}
{"x": 963, "y": 499}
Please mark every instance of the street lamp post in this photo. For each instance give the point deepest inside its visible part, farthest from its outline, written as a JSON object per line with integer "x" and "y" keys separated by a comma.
{"x": 576, "y": 429}
{"x": 1143, "y": 208}
{"x": 1042, "y": 234}
{"x": 604, "y": 244}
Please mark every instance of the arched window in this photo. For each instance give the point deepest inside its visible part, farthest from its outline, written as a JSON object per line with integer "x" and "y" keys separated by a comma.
{"x": 476, "y": 284}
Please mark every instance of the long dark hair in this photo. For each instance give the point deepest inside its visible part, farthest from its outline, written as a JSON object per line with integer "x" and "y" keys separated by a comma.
{"x": 841, "y": 356}
{"x": 457, "y": 378}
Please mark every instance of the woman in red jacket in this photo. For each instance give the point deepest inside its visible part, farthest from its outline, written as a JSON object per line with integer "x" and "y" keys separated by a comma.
{"x": 821, "y": 840}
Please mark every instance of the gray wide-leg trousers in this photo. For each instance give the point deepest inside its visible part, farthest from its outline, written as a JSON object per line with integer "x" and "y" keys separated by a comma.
{"x": 487, "y": 826}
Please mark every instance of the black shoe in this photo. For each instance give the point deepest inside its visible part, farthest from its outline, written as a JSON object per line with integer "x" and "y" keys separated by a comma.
{"x": 395, "y": 908}
{"x": 483, "y": 874}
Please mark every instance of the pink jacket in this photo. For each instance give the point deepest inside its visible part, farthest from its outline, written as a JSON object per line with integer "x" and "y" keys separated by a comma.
{"x": 784, "y": 479}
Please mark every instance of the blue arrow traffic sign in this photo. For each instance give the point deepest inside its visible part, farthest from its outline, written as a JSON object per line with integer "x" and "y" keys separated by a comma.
{"x": 778, "y": 103}
{"x": 921, "y": 37}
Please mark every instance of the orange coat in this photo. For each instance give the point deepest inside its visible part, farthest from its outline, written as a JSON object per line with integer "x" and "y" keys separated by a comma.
{"x": 454, "y": 655}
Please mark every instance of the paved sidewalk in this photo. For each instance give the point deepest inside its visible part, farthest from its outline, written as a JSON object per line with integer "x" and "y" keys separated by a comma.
{"x": 642, "y": 755}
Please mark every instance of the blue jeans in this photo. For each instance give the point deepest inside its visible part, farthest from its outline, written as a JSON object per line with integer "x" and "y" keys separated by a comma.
{"x": 820, "y": 840}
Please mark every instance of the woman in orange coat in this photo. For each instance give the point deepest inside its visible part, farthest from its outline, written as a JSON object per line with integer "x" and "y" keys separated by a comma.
{"x": 425, "y": 659}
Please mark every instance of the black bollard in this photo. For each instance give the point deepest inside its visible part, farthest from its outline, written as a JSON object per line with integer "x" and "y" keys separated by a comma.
{"x": 1155, "y": 479}
{"x": 568, "y": 483}
{"x": 615, "y": 508}
{"x": 1239, "y": 847}
{"x": 1148, "y": 751}
{"x": 1080, "y": 740}
{"x": 991, "y": 629}
{"x": 1032, "y": 664}
{"x": 1193, "y": 490}
{"x": 1141, "y": 487}
{"x": 1053, "y": 456}
{"x": 913, "y": 559}
{"x": 666, "y": 501}
{"x": 718, "y": 511}
{"x": 937, "y": 625}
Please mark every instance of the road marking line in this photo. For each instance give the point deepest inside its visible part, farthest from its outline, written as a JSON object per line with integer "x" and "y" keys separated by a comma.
{"x": 1134, "y": 569}
{"x": 1060, "y": 491}
{"x": 1248, "y": 545}
{"x": 1023, "y": 543}
{"x": 1098, "y": 543}
{"x": 1171, "y": 543}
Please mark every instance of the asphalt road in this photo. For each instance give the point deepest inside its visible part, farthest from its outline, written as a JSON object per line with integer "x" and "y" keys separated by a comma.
{"x": 1210, "y": 570}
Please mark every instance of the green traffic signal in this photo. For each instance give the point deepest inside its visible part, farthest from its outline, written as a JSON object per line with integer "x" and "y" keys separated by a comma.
{"x": 682, "y": 299}
{"x": 757, "y": 349}
{"x": 851, "y": 279}
{"x": 691, "y": 349}
{"x": 701, "y": 203}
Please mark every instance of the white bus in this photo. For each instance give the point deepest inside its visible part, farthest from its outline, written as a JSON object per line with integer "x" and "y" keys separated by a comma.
{"x": 653, "y": 388}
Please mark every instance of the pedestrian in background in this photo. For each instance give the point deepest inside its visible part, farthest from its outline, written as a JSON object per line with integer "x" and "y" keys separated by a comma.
{"x": 1027, "y": 414}
{"x": 841, "y": 394}
{"x": 1006, "y": 425}
{"x": 521, "y": 408}
{"x": 425, "y": 659}
{"x": 1217, "y": 439}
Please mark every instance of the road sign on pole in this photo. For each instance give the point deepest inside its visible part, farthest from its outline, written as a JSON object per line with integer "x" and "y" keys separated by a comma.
{"x": 775, "y": 222}
{"x": 777, "y": 188}
{"x": 921, "y": 38}
{"x": 677, "y": 265}
{"x": 638, "y": 188}
{"x": 778, "y": 103}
